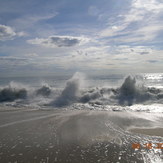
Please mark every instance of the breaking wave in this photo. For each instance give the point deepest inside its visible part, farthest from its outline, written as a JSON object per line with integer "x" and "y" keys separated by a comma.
{"x": 45, "y": 90}
{"x": 71, "y": 93}
{"x": 130, "y": 92}
{"x": 12, "y": 92}
{"x": 16, "y": 91}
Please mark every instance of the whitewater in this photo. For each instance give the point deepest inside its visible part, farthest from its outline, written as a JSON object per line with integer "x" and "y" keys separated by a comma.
{"x": 141, "y": 92}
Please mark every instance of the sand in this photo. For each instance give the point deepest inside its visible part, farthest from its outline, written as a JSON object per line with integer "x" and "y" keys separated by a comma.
{"x": 76, "y": 136}
{"x": 148, "y": 131}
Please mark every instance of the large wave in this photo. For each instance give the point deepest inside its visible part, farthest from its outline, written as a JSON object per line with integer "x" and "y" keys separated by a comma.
{"x": 17, "y": 91}
{"x": 71, "y": 93}
{"x": 12, "y": 92}
{"x": 130, "y": 92}
{"x": 45, "y": 90}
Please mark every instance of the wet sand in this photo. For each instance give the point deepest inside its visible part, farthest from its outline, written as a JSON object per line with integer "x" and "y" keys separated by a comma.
{"x": 75, "y": 136}
{"x": 148, "y": 131}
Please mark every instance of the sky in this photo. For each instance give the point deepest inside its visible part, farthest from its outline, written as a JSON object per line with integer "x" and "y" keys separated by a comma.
{"x": 92, "y": 36}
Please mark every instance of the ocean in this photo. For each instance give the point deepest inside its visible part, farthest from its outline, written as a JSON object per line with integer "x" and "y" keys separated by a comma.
{"x": 115, "y": 92}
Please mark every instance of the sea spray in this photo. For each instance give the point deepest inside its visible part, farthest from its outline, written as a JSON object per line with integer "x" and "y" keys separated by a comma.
{"x": 128, "y": 91}
{"x": 90, "y": 95}
{"x": 71, "y": 92}
{"x": 132, "y": 91}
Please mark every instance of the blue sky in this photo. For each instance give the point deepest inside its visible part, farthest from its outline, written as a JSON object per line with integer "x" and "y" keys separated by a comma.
{"x": 100, "y": 36}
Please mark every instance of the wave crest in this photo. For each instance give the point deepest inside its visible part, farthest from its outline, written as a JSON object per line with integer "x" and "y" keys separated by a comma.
{"x": 11, "y": 94}
{"x": 129, "y": 93}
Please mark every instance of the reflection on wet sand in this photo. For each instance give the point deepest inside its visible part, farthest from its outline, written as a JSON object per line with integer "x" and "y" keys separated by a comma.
{"x": 77, "y": 136}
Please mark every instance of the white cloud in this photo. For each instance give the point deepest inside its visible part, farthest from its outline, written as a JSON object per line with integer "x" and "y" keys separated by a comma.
{"x": 149, "y": 5}
{"x": 118, "y": 57}
{"x": 31, "y": 55}
{"x": 141, "y": 35}
{"x": 29, "y": 21}
{"x": 112, "y": 30}
{"x": 141, "y": 23}
{"x": 143, "y": 9}
{"x": 134, "y": 15}
{"x": 8, "y": 33}
{"x": 59, "y": 41}
{"x": 37, "y": 18}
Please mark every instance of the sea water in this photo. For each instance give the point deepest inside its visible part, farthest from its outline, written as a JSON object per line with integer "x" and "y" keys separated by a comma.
{"x": 140, "y": 92}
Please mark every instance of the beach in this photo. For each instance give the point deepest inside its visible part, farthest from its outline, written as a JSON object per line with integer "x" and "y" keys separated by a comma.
{"x": 60, "y": 135}
{"x": 149, "y": 131}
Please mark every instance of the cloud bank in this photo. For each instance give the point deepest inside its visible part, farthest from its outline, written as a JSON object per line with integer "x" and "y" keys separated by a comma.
{"x": 58, "y": 41}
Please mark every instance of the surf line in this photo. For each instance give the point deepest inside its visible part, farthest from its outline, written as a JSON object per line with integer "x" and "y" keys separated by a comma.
{"x": 27, "y": 120}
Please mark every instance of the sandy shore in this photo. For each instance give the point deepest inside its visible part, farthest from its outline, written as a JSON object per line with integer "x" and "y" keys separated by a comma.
{"x": 76, "y": 136}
